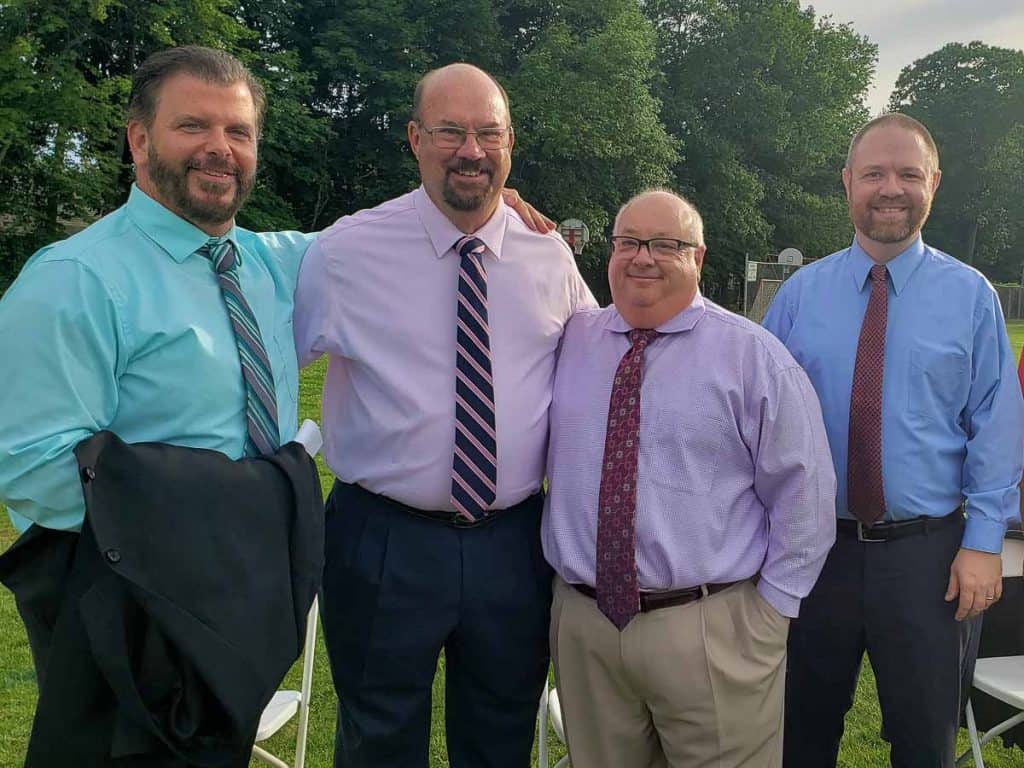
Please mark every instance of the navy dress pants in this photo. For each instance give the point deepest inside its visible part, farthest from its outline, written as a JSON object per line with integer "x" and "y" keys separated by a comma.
{"x": 398, "y": 588}
{"x": 885, "y": 598}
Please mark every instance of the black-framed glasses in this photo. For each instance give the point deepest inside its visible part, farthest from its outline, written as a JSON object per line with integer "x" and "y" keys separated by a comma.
{"x": 663, "y": 248}
{"x": 454, "y": 136}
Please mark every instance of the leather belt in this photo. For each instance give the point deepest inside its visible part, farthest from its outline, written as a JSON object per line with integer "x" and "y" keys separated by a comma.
{"x": 880, "y": 532}
{"x": 452, "y": 519}
{"x": 652, "y": 601}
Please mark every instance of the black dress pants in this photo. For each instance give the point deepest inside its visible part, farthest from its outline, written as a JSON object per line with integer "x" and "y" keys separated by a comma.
{"x": 885, "y": 598}
{"x": 398, "y": 588}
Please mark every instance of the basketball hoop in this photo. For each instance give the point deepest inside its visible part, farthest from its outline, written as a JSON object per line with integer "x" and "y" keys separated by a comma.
{"x": 575, "y": 233}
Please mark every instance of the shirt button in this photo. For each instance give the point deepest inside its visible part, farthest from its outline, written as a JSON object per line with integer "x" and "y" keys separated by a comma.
{"x": 88, "y": 473}
{"x": 113, "y": 556}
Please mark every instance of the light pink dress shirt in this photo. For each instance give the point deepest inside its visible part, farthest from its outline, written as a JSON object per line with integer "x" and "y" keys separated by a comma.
{"x": 377, "y": 293}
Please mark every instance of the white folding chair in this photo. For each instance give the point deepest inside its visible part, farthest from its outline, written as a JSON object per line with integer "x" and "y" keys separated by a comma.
{"x": 550, "y": 712}
{"x": 286, "y": 704}
{"x": 1001, "y": 677}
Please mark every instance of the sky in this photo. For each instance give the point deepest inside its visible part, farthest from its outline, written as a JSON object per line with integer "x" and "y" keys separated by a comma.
{"x": 907, "y": 30}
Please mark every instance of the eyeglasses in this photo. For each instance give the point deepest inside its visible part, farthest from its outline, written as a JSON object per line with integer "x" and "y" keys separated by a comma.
{"x": 660, "y": 248}
{"x": 453, "y": 137}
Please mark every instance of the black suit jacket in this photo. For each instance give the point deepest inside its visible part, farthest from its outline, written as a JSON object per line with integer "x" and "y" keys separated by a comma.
{"x": 163, "y": 630}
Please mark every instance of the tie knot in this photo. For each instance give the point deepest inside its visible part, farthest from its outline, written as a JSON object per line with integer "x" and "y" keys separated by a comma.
{"x": 468, "y": 245}
{"x": 221, "y": 254}
{"x": 878, "y": 273}
{"x": 641, "y": 337}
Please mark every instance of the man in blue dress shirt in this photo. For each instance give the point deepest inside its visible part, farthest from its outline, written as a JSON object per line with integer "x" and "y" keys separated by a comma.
{"x": 908, "y": 352}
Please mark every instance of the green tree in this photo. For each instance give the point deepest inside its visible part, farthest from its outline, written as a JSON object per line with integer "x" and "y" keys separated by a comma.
{"x": 971, "y": 97}
{"x": 65, "y": 72}
{"x": 590, "y": 135}
{"x": 1001, "y": 210}
{"x": 763, "y": 98}
{"x": 578, "y": 74}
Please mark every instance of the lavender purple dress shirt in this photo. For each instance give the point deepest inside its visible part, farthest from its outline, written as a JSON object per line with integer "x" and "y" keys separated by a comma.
{"x": 735, "y": 476}
{"x": 377, "y": 294}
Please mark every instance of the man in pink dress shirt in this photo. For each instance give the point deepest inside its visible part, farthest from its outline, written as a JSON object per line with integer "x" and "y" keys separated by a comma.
{"x": 691, "y": 507}
{"x": 440, "y": 313}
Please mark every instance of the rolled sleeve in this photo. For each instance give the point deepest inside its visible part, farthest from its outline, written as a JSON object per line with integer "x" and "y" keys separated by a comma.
{"x": 60, "y": 334}
{"x": 312, "y": 302}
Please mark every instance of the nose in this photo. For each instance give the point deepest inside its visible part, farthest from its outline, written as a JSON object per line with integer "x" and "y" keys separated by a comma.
{"x": 643, "y": 255}
{"x": 217, "y": 142}
{"x": 471, "y": 148}
{"x": 891, "y": 186}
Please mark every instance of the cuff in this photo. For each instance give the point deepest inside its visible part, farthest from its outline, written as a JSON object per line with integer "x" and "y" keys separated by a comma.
{"x": 781, "y": 601}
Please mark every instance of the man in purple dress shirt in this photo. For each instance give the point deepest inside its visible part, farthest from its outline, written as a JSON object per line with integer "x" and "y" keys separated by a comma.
{"x": 690, "y": 509}
{"x": 441, "y": 314}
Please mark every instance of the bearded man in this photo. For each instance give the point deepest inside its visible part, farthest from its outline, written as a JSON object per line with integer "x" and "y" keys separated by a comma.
{"x": 907, "y": 350}
{"x": 441, "y": 315}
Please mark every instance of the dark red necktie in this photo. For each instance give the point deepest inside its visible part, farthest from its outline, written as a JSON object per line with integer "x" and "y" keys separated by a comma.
{"x": 864, "y": 490}
{"x": 618, "y": 594}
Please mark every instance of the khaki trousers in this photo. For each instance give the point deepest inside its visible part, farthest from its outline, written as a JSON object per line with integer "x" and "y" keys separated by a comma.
{"x": 695, "y": 686}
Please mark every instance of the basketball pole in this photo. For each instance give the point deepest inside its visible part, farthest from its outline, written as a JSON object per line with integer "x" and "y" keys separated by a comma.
{"x": 746, "y": 268}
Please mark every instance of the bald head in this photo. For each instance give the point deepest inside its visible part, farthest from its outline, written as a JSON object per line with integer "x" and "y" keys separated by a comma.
{"x": 461, "y": 135}
{"x": 689, "y": 218}
{"x": 457, "y": 75}
{"x": 904, "y": 122}
{"x": 656, "y": 257}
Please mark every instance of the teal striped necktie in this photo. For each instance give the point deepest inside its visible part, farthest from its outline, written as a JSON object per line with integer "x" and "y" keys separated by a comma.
{"x": 260, "y": 400}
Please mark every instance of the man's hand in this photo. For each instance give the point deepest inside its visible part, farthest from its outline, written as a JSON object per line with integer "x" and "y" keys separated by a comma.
{"x": 977, "y": 577}
{"x": 533, "y": 218}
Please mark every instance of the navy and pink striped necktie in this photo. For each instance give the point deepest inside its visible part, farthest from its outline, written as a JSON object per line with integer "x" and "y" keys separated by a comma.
{"x": 260, "y": 399}
{"x": 475, "y": 464}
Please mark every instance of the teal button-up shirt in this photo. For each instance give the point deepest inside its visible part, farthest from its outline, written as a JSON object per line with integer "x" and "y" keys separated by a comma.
{"x": 122, "y": 327}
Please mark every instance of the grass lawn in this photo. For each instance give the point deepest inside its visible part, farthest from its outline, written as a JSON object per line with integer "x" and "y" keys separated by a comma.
{"x": 861, "y": 747}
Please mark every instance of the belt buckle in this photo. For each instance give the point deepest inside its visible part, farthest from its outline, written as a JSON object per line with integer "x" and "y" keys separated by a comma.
{"x": 860, "y": 534}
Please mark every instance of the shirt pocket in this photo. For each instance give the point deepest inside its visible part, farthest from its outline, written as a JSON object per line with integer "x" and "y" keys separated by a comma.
{"x": 938, "y": 383}
{"x": 684, "y": 449}
{"x": 286, "y": 377}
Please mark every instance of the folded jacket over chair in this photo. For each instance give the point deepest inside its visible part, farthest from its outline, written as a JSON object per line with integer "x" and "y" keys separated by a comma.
{"x": 162, "y": 631}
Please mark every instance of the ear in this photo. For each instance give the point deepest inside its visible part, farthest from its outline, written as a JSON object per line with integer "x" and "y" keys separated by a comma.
{"x": 936, "y": 178}
{"x": 412, "y": 130}
{"x": 698, "y": 257}
{"x": 138, "y": 142}
{"x": 846, "y": 181}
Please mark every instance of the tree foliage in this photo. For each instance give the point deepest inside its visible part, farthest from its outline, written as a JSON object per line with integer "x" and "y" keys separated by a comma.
{"x": 763, "y": 98}
{"x": 971, "y": 97}
{"x": 746, "y": 106}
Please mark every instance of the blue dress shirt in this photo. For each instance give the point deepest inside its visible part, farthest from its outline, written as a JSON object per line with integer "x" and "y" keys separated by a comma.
{"x": 952, "y": 412}
{"x": 122, "y": 327}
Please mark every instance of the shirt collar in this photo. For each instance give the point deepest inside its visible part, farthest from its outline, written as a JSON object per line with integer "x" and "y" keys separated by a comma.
{"x": 444, "y": 234}
{"x": 178, "y": 238}
{"x": 685, "y": 321}
{"x": 900, "y": 268}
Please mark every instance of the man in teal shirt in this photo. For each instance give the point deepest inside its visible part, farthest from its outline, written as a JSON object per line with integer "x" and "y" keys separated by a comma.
{"x": 122, "y": 327}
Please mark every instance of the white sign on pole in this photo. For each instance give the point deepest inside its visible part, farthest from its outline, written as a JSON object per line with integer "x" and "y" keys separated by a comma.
{"x": 751, "y": 271}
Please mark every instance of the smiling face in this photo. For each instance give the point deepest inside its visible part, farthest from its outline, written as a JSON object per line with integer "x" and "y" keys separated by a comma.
{"x": 198, "y": 155}
{"x": 649, "y": 292}
{"x": 890, "y": 182}
{"x": 464, "y": 183}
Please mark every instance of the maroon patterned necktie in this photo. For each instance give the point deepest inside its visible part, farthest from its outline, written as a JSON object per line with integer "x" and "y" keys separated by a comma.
{"x": 865, "y": 494}
{"x": 618, "y": 594}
